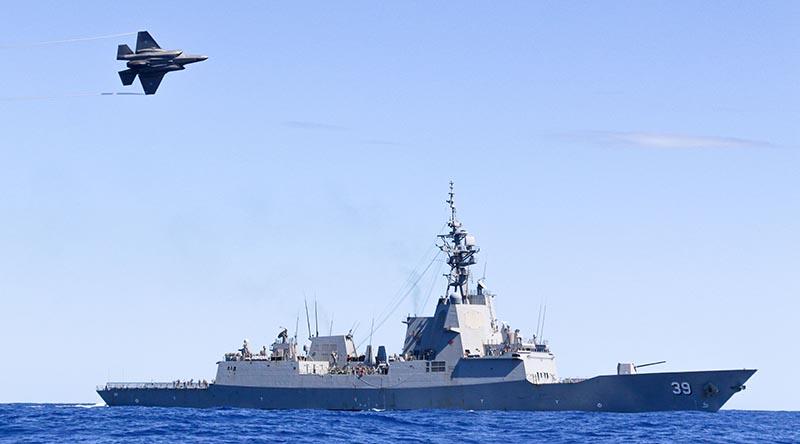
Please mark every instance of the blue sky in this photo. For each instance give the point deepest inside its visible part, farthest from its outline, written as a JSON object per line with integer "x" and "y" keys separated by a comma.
{"x": 633, "y": 164}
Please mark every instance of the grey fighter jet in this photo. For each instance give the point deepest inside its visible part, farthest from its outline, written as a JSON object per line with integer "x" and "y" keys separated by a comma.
{"x": 151, "y": 62}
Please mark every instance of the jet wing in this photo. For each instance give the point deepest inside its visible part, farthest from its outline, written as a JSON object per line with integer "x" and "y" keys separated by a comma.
{"x": 145, "y": 41}
{"x": 151, "y": 81}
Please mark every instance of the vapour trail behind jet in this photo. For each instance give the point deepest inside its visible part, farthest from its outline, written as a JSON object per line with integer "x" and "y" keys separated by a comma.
{"x": 66, "y": 96}
{"x": 58, "y": 42}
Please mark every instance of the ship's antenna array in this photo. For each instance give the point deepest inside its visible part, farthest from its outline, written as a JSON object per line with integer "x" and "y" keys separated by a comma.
{"x": 371, "y": 331}
{"x": 316, "y": 318}
{"x": 460, "y": 249}
{"x": 539, "y": 320}
{"x": 296, "y": 326}
{"x": 308, "y": 320}
{"x": 542, "y": 316}
{"x": 452, "y": 201}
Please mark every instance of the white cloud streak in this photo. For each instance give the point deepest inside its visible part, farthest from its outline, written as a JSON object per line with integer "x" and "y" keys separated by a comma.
{"x": 671, "y": 140}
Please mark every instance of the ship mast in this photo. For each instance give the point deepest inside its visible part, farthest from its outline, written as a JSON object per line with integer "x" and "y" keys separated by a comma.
{"x": 460, "y": 250}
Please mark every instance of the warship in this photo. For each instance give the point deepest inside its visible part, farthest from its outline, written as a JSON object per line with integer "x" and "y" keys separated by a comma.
{"x": 461, "y": 357}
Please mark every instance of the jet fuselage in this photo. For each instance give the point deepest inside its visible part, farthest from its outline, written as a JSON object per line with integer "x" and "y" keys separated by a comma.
{"x": 150, "y": 62}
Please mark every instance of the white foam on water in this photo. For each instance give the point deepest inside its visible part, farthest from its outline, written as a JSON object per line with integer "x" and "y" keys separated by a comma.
{"x": 90, "y": 406}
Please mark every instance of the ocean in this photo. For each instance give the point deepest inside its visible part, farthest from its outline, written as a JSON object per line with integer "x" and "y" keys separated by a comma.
{"x": 80, "y": 423}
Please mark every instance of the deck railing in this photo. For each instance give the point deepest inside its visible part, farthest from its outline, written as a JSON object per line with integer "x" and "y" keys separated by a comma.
{"x": 154, "y": 385}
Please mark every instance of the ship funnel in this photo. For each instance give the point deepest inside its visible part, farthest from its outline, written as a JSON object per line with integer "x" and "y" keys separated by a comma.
{"x": 381, "y": 357}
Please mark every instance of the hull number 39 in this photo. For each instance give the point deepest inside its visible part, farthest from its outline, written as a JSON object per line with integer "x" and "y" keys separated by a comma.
{"x": 681, "y": 388}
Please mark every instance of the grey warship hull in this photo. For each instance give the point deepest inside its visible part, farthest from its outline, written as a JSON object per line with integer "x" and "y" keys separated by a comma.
{"x": 461, "y": 357}
{"x": 708, "y": 391}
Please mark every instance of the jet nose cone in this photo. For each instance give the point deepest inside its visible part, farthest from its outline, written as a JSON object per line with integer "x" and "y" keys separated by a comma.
{"x": 202, "y": 57}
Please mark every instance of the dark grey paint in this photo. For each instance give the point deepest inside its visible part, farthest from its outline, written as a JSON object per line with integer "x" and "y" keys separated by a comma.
{"x": 642, "y": 392}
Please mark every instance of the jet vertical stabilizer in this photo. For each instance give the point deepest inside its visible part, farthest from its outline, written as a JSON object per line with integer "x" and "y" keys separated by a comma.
{"x": 122, "y": 51}
{"x": 145, "y": 41}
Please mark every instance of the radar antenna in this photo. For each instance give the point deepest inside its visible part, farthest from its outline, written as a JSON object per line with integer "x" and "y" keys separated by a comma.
{"x": 460, "y": 250}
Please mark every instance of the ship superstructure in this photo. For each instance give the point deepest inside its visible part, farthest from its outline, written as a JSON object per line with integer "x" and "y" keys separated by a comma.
{"x": 463, "y": 324}
{"x": 458, "y": 358}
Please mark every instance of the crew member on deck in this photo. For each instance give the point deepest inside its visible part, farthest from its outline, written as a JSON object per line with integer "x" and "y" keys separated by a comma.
{"x": 245, "y": 349}
{"x": 283, "y": 336}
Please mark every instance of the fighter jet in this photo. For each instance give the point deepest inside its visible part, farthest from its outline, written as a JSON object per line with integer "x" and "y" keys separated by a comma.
{"x": 151, "y": 62}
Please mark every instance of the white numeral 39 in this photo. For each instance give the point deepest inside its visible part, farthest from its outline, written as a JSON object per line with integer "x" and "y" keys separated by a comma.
{"x": 681, "y": 388}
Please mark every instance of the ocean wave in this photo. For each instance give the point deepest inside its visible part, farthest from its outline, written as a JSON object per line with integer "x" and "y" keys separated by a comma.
{"x": 140, "y": 425}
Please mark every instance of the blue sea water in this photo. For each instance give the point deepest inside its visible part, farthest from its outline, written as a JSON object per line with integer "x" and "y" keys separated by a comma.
{"x": 71, "y": 423}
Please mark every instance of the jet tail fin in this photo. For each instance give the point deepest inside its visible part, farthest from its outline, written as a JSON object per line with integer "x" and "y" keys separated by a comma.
{"x": 123, "y": 50}
{"x": 127, "y": 76}
{"x": 145, "y": 41}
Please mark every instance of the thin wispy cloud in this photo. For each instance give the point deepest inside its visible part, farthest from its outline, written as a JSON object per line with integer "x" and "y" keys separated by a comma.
{"x": 317, "y": 126}
{"x": 672, "y": 140}
{"x": 378, "y": 142}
